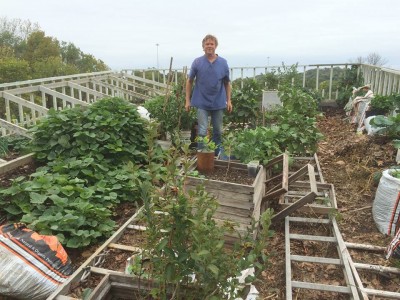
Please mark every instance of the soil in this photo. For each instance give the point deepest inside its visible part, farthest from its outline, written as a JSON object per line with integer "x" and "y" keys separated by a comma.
{"x": 349, "y": 162}
{"x": 233, "y": 175}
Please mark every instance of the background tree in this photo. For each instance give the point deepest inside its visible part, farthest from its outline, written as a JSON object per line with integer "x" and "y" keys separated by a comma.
{"x": 39, "y": 47}
{"x": 27, "y": 53}
{"x": 13, "y": 69}
{"x": 371, "y": 59}
{"x": 14, "y": 33}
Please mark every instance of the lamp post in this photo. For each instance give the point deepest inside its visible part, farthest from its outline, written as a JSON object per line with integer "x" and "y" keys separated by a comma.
{"x": 157, "y": 54}
{"x": 268, "y": 61}
{"x": 158, "y": 71}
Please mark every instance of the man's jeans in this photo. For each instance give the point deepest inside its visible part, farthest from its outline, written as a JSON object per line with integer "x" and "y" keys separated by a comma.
{"x": 216, "y": 122}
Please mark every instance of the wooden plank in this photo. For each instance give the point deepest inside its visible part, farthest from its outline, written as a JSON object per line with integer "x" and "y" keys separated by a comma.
{"x": 15, "y": 128}
{"x": 318, "y": 166}
{"x": 224, "y": 197}
{"x": 305, "y": 184}
{"x": 259, "y": 191}
{"x": 274, "y": 194}
{"x": 61, "y": 297}
{"x": 275, "y": 160}
{"x": 247, "y": 213}
{"x": 310, "y": 208}
{"x": 311, "y": 176}
{"x": 315, "y": 259}
{"x": 143, "y": 80}
{"x": 315, "y": 238}
{"x": 309, "y": 220}
{"x": 62, "y": 96}
{"x": 125, "y": 247}
{"x": 377, "y": 268}
{"x": 279, "y": 176}
{"x": 321, "y": 287}
{"x": 285, "y": 172}
{"x": 85, "y": 89}
{"x": 346, "y": 259}
{"x": 298, "y": 174}
{"x": 288, "y": 265}
{"x": 232, "y": 165}
{"x": 222, "y": 185}
{"x": 103, "y": 271}
{"x": 385, "y": 294}
{"x": 23, "y": 102}
{"x": 232, "y": 217}
{"x": 113, "y": 87}
{"x": 293, "y": 207}
{"x": 102, "y": 289}
{"x": 365, "y": 247}
{"x": 15, "y": 163}
{"x": 49, "y": 80}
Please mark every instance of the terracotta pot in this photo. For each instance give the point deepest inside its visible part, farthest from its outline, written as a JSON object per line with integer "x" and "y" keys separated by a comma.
{"x": 205, "y": 161}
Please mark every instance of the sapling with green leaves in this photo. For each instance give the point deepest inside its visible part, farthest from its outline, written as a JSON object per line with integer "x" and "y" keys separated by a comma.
{"x": 184, "y": 241}
{"x": 228, "y": 143}
{"x": 205, "y": 144}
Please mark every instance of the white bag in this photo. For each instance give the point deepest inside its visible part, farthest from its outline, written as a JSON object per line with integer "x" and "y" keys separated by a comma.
{"x": 386, "y": 206}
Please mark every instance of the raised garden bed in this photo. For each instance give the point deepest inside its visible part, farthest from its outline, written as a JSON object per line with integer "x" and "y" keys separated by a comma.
{"x": 238, "y": 203}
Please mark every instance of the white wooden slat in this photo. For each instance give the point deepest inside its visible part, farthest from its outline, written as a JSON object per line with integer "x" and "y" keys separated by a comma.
{"x": 62, "y": 96}
{"x": 321, "y": 287}
{"x": 24, "y": 102}
{"x": 315, "y": 259}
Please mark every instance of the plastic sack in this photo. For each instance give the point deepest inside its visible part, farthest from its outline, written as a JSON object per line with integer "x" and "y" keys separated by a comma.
{"x": 385, "y": 209}
{"x": 32, "y": 265}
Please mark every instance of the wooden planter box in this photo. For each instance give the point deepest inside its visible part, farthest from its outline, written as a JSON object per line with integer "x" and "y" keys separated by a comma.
{"x": 238, "y": 203}
{"x": 120, "y": 286}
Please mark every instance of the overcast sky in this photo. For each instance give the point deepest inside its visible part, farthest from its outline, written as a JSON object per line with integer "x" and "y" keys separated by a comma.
{"x": 124, "y": 33}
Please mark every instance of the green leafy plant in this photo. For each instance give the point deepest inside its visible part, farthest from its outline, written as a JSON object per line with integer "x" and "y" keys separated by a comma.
{"x": 395, "y": 173}
{"x": 389, "y": 126}
{"x": 169, "y": 111}
{"x": 246, "y": 101}
{"x": 296, "y": 100}
{"x": 383, "y": 105}
{"x": 205, "y": 144}
{"x": 17, "y": 144}
{"x": 93, "y": 159}
{"x": 183, "y": 241}
{"x": 263, "y": 141}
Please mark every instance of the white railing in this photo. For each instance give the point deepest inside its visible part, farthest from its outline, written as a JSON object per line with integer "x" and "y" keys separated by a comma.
{"x": 22, "y": 103}
{"x": 383, "y": 80}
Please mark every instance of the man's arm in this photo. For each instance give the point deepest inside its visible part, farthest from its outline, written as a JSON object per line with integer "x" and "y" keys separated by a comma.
{"x": 189, "y": 85}
{"x": 228, "y": 91}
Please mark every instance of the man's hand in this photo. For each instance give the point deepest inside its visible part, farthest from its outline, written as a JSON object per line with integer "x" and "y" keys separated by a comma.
{"x": 187, "y": 106}
{"x": 229, "y": 106}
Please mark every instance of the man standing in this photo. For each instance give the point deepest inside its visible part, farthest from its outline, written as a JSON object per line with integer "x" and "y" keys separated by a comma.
{"x": 212, "y": 91}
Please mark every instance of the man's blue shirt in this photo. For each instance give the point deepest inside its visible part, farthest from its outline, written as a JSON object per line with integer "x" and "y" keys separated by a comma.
{"x": 209, "y": 89}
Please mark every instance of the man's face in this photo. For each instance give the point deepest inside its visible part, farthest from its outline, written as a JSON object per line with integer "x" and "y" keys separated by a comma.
{"x": 209, "y": 47}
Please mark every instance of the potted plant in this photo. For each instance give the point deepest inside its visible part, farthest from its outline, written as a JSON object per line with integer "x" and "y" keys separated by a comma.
{"x": 205, "y": 154}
